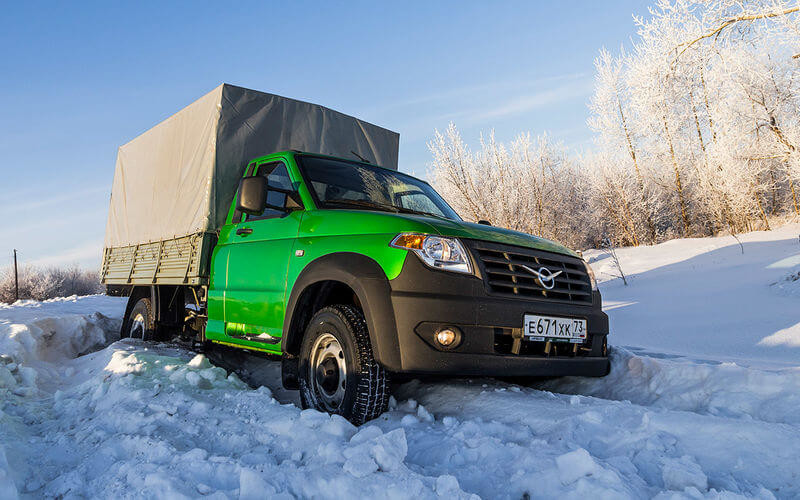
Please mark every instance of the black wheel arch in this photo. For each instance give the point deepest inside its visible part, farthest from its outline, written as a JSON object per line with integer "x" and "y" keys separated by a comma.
{"x": 372, "y": 293}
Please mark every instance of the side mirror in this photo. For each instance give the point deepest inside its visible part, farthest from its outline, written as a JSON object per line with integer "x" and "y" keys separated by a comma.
{"x": 484, "y": 222}
{"x": 252, "y": 195}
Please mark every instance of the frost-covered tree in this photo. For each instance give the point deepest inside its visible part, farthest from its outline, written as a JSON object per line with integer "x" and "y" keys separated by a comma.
{"x": 697, "y": 131}
{"x": 712, "y": 89}
{"x": 612, "y": 121}
{"x": 527, "y": 185}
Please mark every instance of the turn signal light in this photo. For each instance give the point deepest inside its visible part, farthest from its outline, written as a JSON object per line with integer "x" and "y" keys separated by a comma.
{"x": 410, "y": 241}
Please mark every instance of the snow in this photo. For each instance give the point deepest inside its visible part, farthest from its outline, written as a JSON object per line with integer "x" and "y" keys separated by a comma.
{"x": 788, "y": 336}
{"x": 703, "y": 297}
{"x": 686, "y": 415}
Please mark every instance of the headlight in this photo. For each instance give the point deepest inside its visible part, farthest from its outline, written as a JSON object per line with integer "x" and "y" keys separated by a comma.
{"x": 591, "y": 275}
{"x": 438, "y": 252}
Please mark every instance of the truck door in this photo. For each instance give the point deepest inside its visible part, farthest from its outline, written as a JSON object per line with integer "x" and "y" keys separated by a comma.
{"x": 260, "y": 250}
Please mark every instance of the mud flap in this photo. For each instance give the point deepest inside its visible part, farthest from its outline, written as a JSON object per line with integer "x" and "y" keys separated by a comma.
{"x": 289, "y": 372}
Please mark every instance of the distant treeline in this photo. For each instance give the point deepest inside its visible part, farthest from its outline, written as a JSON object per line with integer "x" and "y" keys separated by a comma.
{"x": 47, "y": 283}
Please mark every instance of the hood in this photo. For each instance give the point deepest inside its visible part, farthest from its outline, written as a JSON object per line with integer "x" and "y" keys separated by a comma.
{"x": 461, "y": 229}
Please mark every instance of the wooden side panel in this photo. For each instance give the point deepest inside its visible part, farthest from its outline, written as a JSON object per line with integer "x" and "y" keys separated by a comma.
{"x": 177, "y": 261}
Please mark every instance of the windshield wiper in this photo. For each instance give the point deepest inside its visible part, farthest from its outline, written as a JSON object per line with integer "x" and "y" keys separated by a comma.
{"x": 382, "y": 206}
{"x": 360, "y": 157}
{"x": 363, "y": 203}
{"x": 419, "y": 212}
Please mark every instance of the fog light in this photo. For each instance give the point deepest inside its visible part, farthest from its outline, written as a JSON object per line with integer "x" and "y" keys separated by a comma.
{"x": 448, "y": 337}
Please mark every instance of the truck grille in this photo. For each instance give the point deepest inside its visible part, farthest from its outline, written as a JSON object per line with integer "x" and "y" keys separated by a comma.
{"x": 503, "y": 274}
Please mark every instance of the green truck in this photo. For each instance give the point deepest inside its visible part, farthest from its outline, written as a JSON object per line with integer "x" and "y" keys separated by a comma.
{"x": 323, "y": 254}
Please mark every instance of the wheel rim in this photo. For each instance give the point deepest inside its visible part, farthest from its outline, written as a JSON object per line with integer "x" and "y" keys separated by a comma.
{"x": 328, "y": 371}
{"x": 137, "y": 326}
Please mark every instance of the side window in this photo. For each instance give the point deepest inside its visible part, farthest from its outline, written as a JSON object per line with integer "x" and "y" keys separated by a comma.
{"x": 277, "y": 177}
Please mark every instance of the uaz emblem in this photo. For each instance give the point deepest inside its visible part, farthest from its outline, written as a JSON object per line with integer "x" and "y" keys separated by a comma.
{"x": 546, "y": 277}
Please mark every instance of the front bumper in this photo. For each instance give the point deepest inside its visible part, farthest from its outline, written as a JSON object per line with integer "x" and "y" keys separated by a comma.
{"x": 424, "y": 300}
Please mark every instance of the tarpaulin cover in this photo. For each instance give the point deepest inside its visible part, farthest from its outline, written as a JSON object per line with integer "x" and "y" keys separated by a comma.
{"x": 179, "y": 177}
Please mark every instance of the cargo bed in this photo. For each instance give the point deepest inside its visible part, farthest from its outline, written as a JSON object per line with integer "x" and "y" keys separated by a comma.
{"x": 178, "y": 261}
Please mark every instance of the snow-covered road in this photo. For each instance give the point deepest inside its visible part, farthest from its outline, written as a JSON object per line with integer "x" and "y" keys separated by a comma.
{"x": 131, "y": 419}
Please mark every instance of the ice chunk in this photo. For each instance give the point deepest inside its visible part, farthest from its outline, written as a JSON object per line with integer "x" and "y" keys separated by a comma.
{"x": 252, "y": 486}
{"x": 447, "y": 486}
{"x": 390, "y": 450}
{"x": 200, "y": 362}
{"x": 386, "y": 451}
{"x": 360, "y": 464}
{"x": 6, "y": 378}
{"x": 679, "y": 474}
{"x": 575, "y": 465}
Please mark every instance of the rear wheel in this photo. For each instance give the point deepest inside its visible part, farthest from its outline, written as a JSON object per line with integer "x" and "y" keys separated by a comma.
{"x": 338, "y": 372}
{"x": 141, "y": 322}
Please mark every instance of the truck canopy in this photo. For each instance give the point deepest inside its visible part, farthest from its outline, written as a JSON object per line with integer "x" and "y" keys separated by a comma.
{"x": 179, "y": 178}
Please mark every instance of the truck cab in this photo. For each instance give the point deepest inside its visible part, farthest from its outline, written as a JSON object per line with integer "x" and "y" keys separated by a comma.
{"x": 352, "y": 273}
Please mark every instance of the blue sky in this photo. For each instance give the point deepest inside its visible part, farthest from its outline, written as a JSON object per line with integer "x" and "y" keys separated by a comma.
{"x": 78, "y": 80}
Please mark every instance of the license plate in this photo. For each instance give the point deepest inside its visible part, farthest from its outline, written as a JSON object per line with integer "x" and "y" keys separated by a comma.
{"x": 542, "y": 328}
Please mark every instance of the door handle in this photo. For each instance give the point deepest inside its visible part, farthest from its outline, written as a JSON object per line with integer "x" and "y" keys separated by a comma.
{"x": 244, "y": 230}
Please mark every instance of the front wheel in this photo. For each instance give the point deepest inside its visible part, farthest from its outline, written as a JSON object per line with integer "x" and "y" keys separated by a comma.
{"x": 338, "y": 372}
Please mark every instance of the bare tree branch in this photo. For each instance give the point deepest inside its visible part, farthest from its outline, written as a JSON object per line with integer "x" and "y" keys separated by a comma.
{"x": 747, "y": 17}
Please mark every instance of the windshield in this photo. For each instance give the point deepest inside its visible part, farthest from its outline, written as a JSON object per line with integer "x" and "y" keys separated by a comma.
{"x": 351, "y": 185}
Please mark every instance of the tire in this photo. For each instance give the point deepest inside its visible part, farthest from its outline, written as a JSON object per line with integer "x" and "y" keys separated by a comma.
{"x": 140, "y": 323}
{"x": 337, "y": 371}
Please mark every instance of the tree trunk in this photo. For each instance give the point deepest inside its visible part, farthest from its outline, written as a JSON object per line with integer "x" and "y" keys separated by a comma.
{"x": 773, "y": 191}
{"x": 651, "y": 227}
{"x": 708, "y": 108}
{"x": 467, "y": 179}
{"x": 760, "y": 206}
{"x": 763, "y": 214}
{"x": 702, "y": 176}
{"x": 678, "y": 184}
{"x": 697, "y": 126}
{"x": 624, "y": 225}
{"x": 540, "y": 201}
{"x": 790, "y": 148}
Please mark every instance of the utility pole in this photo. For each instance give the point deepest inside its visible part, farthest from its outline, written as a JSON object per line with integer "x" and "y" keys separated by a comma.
{"x": 16, "y": 278}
